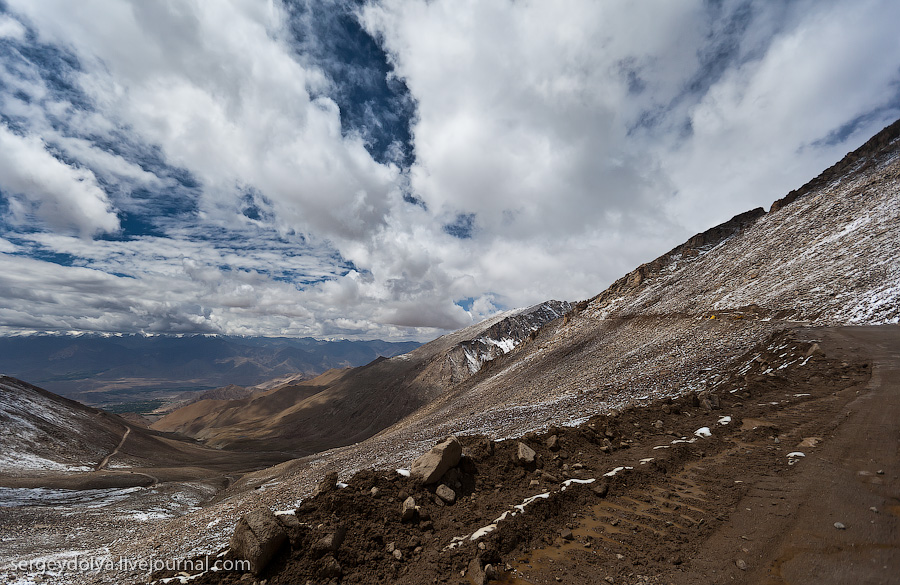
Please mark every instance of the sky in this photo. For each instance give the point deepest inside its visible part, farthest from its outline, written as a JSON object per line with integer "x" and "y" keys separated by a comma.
{"x": 397, "y": 169}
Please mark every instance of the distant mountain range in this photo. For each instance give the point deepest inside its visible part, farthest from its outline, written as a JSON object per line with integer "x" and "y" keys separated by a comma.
{"x": 131, "y": 370}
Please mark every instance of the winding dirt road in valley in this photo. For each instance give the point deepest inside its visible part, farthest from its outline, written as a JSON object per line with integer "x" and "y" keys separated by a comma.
{"x": 106, "y": 459}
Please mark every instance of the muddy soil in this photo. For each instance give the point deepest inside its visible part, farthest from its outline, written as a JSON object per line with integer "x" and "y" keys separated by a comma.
{"x": 658, "y": 499}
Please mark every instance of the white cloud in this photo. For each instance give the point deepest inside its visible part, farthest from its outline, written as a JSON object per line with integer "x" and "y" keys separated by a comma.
{"x": 583, "y": 137}
{"x": 753, "y": 131}
{"x": 64, "y": 196}
{"x": 10, "y": 28}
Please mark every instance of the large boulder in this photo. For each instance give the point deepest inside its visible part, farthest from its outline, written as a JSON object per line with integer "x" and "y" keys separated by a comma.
{"x": 257, "y": 537}
{"x": 431, "y": 466}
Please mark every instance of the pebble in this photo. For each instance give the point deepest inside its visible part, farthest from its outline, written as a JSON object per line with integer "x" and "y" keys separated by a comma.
{"x": 839, "y": 526}
{"x": 874, "y": 509}
{"x": 741, "y": 564}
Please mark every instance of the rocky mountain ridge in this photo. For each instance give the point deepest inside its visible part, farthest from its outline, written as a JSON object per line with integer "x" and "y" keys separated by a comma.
{"x": 350, "y": 405}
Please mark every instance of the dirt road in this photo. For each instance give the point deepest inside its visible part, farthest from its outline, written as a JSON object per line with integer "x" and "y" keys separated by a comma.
{"x": 833, "y": 517}
{"x": 106, "y": 459}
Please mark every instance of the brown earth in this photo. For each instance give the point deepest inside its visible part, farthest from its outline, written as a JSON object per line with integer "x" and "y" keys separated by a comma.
{"x": 732, "y": 507}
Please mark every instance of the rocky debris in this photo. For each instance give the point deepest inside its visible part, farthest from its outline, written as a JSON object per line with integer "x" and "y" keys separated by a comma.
{"x": 257, "y": 538}
{"x": 331, "y": 570}
{"x": 408, "y": 510}
{"x": 481, "y": 575}
{"x": 446, "y": 494}
{"x": 329, "y": 543}
{"x": 327, "y": 483}
{"x": 391, "y": 539}
{"x": 525, "y": 455}
{"x": 553, "y": 443}
{"x": 431, "y": 466}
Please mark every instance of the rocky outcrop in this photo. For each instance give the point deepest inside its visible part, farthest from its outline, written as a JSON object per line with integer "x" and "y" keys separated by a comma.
{"x": 468, "y": 357}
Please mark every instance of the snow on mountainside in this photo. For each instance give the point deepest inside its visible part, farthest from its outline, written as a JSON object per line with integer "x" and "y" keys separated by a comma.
{"x": 468, "y": 356}
{"x": 826, "y": 253}
{"x": 43, "y": 432}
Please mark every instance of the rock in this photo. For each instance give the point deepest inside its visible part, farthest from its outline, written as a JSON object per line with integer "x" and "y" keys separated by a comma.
{"x": 431, "y": 466}
{"x": 375, "y": 492}
{"x": 658, "y": 424}
{"x": 446, "y": 494}
{"x": 331, "y": 570}
{"x": 549, "y": 478}
{"x": 566, "y": 534}
{"x": 578, "y": 466}
{"x": 534, "y": 483}
{"x": 295, "y": 530}
{"x": 398, "y": 554}
{"x": 327, "y": 483}
{"x": 329, "y": 543}
{"x": 288, "y": 520}
{"x": 408, "y": 510}
{"x": 741, "y": 564}
{"x": 525, "y": 455}
{"x": 491, "y": 573}
{"x": 553, "y": 443}
{"x": 601, "y": 489}
{"x": 476, "y": 572}
{"x": 839, "y": 526}
{"x": 257, "y": 537}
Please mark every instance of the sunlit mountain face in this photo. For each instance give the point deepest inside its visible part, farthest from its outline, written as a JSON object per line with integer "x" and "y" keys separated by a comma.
{"x": 396, "y": 170}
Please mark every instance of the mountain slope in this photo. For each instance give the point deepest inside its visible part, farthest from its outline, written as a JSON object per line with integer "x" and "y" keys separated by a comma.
{"x": 57, "y": 441}
{"x": 828, "y": 257}
{"x": 352, "y": 405}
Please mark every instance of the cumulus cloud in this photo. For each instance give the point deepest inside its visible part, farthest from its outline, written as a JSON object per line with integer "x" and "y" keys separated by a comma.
{"x": 38, "y": 183}
{"x": 555, "y": 146}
